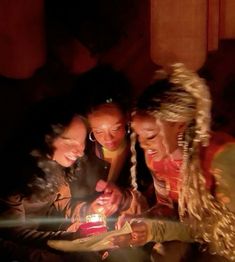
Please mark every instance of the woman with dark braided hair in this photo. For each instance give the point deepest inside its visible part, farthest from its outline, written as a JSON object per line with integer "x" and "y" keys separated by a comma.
{"x": 192, "y": 169}
{"x": 108, "y": 148}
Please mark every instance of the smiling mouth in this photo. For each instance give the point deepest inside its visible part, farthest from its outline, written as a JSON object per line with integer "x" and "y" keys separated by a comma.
{"x": 71, "y": 158}
{"x": 151, "y": 152}
{"x": 110, "y": 144}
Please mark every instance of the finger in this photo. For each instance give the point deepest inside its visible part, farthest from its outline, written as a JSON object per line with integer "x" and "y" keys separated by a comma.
{"x": 101, "y": 185}
{"x": 138, "y": 236}
{"x": 121, "y": 221}
{"x": 102, "y": 201}
{"x": 138, "y": 242}
{"x": 110, "y": 209}
{"x": 108, "y": 189}
{"x": 116, "y": 197}
{"x": 122, "y": 241}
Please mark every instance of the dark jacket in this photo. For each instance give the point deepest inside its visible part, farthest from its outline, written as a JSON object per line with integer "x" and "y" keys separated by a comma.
{"x": 94, "y": 167}
{"x": 34, "y": 200}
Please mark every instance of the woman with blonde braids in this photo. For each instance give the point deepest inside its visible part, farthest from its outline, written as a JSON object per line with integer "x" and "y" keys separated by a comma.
{"x": 192, "y": 169}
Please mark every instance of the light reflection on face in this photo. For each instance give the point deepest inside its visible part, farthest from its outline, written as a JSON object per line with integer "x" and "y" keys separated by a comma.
{"x": 70, "y": 144}
{"x": 108, "y": 126}
{"x": 156, "y": 141}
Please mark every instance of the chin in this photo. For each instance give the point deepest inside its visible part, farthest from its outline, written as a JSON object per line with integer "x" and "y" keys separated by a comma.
{"x": 111, "y": 147}
{"x": 67, "y": 163}
{"x": 158, "y": 158}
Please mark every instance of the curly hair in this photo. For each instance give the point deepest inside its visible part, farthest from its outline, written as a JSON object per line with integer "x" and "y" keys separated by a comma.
{"x": 183, "y": 96}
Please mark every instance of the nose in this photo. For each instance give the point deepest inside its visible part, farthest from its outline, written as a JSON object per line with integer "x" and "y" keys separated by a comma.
{"x": 78, "y": 150}
{"x": 144, "y": 143}
{"x": 108, "y": 136}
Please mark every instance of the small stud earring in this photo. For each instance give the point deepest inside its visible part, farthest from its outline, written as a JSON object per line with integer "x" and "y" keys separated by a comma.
{"x": 128, "y": 128}
{"x": 180, "y": 140}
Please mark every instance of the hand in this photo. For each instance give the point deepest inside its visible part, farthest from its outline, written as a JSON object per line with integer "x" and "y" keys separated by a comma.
{"x": 122, "y": 241}
{"x": 139, "y": 235}
{"x": 74, "y": 227}
{"x": 123, "y": 219}
{"x": 110, "y": 199}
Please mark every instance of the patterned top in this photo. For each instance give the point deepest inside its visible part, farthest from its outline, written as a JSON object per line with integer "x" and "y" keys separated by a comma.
{"x": 166, "y": 178}
{"x": 217, "y": 164}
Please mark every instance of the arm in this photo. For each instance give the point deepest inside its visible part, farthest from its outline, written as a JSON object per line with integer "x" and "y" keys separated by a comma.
{"x": 224, "y": 173}
{"x": 166, "y": 230}
{"x": 16, "y": 227}
{"x": 153, "y": 230}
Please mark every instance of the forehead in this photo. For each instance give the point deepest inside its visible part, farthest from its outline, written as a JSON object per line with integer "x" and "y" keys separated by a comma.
{"x": 106, "y": 111}
{"x": 144, "y": 121}
{"x": 75, "y": 129}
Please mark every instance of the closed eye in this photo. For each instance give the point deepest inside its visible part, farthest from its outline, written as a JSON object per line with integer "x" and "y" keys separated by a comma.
{"x": 116, "y": 128}
{"x": 151, "y": 137}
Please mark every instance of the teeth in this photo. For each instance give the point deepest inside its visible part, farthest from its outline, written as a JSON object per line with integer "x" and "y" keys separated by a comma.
{"x": 71, "y": 158}
{"x": 150, "y": 151}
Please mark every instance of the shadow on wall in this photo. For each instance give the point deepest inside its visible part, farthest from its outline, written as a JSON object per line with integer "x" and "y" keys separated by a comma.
{"x": 219, "y": 71}
{"x": 17, "y": 96}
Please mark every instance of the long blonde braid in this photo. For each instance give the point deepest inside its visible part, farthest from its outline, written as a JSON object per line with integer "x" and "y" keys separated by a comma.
{"x": 133, "y": 161}
{"x": 187, "y": 99}
{"x": 210, "y": 220}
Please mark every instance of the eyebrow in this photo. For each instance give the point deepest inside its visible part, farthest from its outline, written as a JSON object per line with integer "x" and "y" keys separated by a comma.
{"x": 150, "y": 130}
{"x": 119, "y": 123}
{"x": 67, "y": 138}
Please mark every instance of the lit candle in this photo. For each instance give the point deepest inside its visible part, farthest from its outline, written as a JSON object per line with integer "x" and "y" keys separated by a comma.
{"x": 95, "y": 224}
{"x": 96, "y": 218}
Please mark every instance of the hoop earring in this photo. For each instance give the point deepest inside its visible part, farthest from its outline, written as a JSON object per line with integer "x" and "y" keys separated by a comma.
{"x": 91, "y": 138}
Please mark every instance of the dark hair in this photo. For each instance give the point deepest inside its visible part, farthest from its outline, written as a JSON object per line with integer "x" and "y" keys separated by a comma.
{"x": 25, "y": 160}
{"x": 103, "y": 84}
{"x": 43, "y": 122}
{"x": 46, "y": 121}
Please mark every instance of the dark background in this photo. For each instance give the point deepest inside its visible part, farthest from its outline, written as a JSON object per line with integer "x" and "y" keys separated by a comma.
{"x": 81, "y": 34}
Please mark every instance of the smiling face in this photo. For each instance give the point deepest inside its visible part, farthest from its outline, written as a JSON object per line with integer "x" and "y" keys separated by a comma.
{"x": 157, "y": 141}
{"x": 108, "y": 126}
{"x": 70, "y": 144}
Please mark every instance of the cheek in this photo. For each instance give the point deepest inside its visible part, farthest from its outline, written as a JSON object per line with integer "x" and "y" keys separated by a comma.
{"x": 172, "y": 141}
{"x": 120, "y": 135}
{"x": 99, "y": 137}
{"x": 56, "y": 155}
{"x": 59, "y": 151}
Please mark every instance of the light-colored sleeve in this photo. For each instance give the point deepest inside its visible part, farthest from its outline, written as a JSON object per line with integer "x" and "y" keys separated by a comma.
{"x": 166, "y": 230}
{"x": 223, "y": 169}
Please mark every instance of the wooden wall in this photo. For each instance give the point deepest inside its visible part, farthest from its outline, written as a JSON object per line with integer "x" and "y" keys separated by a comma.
{"x": 40, "y": 56}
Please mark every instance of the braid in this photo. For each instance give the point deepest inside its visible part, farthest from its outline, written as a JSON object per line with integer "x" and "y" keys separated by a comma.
{"x": 194, "y": 85}
{"x": 184, "y": 97}
{"x": 209, "y": 220}
{"x": 133, "y": 161}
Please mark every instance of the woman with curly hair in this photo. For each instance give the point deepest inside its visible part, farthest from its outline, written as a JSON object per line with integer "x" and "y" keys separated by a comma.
{"x": 35, "y": 197}
{"x": 192, "y": 169}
